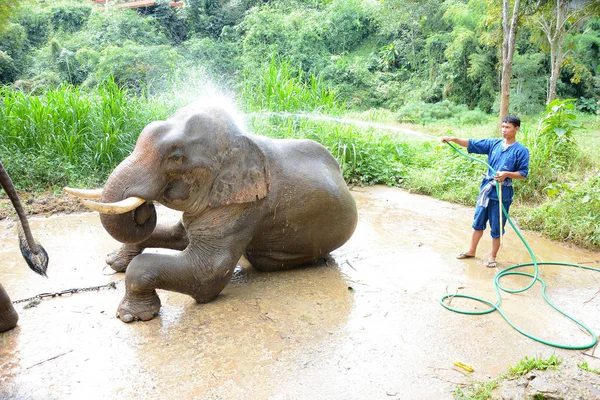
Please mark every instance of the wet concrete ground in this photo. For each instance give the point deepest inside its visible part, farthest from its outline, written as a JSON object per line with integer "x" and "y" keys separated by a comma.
{"x": 365, "y": 325}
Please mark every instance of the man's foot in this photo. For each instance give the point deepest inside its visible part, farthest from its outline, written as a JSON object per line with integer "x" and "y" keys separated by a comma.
{"x": 464, "y": 255}
{"x": 491, "y": 264}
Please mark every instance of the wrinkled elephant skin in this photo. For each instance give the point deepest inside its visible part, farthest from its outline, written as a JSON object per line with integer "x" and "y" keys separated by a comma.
{"x": 281, "y": 203}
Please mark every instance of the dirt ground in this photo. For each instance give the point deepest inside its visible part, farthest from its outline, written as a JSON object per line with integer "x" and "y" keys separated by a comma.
{"x": 365, "y": 324}
{"x": 41, "y": 204}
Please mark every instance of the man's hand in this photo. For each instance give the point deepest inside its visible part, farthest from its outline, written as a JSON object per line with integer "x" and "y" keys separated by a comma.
{"x": 502, "y": 175}
{"x": 458, "y": 141}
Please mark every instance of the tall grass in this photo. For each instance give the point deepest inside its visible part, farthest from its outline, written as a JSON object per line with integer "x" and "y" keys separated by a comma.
{"x": 69, "y": 132}
{"x": 281, "y": 87}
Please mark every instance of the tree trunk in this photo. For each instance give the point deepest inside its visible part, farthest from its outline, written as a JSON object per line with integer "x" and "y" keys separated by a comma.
{"x": 555, "y": 40}
{"x": 508, "y": 52}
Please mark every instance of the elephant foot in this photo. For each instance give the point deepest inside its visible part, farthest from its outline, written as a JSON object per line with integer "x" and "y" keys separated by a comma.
{"x": 119, "y": 259}
{"x": 132, "y": 309}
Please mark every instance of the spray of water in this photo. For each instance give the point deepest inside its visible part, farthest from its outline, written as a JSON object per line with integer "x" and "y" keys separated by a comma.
{"x": 349, "y": 121}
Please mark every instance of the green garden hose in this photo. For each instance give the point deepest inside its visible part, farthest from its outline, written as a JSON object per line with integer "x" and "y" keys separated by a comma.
{"x": 534, "y": 277}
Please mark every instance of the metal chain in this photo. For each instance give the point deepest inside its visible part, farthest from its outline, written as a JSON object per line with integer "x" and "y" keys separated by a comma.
{"x": 110, "y": 285}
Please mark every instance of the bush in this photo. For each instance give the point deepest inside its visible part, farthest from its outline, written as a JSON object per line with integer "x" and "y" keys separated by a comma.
{"x": 426, "y": 113}
{"x": 588, "y": 105}
{"x": 8, "y": 70}
{"x": 297, "y": 36}
{"x": 117, "y": 27}
{"x": 220, "y": 59}
{"x": 347, "y": 24}
{"x": 139, "y": 68}
{"x": 282, "y": 87}
{"x": 70, "y": 17}
{"x": 37, "y": 24}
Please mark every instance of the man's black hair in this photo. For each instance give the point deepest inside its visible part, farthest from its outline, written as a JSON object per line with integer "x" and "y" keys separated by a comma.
{"x": 512, "y": 119}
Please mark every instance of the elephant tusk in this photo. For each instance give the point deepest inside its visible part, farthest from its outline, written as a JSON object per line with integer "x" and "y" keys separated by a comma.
{"x": 120, "y": 207}
{"x": 84, "y": 193}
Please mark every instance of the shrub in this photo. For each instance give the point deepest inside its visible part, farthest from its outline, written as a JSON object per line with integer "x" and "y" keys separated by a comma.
{"x": 70, "y": 17}
{"x": 282, "y": 87}
{"x": 8, "y": 70}
{"x": 37, "y": 24}
{"x": 219, "y": 58}
{"x": 347, "y": 24}
{"x": 426, "y": 113}
{"x": 117, "y": 27}
{"x": 139, "y": 68}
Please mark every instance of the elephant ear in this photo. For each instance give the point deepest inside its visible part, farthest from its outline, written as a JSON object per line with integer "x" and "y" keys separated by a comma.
{"x": 244, "y": 176}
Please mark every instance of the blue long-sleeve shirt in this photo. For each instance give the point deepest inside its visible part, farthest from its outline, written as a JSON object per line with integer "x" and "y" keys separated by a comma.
{"x": 515, "y": 158}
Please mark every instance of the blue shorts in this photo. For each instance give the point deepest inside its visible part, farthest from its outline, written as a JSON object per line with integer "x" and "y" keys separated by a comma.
{"x": 490, "y": 213}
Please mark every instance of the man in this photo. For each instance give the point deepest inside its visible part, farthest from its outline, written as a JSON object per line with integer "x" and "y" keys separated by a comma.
{"x": 510, "y": 159}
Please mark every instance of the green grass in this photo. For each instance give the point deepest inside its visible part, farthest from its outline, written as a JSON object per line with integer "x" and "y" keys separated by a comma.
{"x": 530, "y": 363}
{"x": 69, "y": 133}
{"x": 476, "y": 391}
{"x": 584, "y": 366}
{"x": 483, "y": 390}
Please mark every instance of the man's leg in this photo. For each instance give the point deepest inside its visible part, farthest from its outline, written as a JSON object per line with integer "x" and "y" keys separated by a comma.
{"x": 475, "y": 238}
{"x": 480, "y": 220}
{"x": 495, "y": 230}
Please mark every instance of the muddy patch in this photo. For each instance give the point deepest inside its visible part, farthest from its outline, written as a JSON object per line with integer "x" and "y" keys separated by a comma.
{"x": 42, "y": 204}
{"x": 366, "y": 324}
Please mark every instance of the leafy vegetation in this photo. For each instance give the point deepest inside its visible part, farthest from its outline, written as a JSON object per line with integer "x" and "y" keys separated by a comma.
{"x": 530, "y": 363}
{"x": 483, "y": 390}
{"x": 584, "y": 366}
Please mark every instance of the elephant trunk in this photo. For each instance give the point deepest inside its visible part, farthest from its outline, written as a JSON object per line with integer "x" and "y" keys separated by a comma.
{"x": 133, "y": 226}
{"x": 32, "y": 251}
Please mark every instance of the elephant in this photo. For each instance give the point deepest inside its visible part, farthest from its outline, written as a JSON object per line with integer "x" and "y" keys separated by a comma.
{"x": 280, "y": 203}
{"x": 33, "y": 253}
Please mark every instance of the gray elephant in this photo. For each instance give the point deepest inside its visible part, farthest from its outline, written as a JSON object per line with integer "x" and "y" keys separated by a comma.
{"x": 281, "y": 203}
{"x": 33, "y": 252}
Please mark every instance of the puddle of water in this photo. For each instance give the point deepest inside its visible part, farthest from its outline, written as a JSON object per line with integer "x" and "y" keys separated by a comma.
{"x": 367, "y": 324}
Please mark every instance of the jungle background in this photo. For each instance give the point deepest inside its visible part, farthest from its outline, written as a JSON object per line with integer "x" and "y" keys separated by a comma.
{"x": 80, "y": 79}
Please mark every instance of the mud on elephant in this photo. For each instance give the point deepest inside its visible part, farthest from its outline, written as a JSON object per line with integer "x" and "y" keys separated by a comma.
{"x": 33, "y": 252}
{"x": 281, "y": 203}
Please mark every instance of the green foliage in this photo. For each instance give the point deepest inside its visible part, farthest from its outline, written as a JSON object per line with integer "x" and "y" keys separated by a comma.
{"x": 483, "y": 390}
{"x": 571, "y": 214}
{"x": 348, "y": 22}
{"x": 70, "y": 17}
{"x": 528, "y": 86}
{"x": 476, "y": 391}
{"x": 37, "y": 25}
{"x": 552, "y": 147}
{"x": 139, "y": 68}
{"x": 541, "y": 364}
{"x": 588, "y": 105}
{"x": 170, "y": 21}
{"x": 13, "y": 41}
{"x": 584, "y": 366}
{"x": 219, "y": 58}
{"x": 8, "y": 70}
{"x": 284, "y": 88}
{"x": 68, "y": 133}
{"x": 297, "y": 36}
{"x": 426, "y": 113}
{"x": 119, "y": 26}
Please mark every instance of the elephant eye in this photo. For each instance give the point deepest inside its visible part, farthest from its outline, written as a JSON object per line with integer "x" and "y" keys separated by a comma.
{"x": 176, "y": 159}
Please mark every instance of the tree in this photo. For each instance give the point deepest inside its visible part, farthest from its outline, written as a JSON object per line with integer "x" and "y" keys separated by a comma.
{"x": 556, "y": 20}
{"x": 509, "y": 36}
{"x": 6, "y": 8}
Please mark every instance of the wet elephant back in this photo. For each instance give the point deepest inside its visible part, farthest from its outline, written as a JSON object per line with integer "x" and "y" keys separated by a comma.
{"x": 311, "y": 211}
